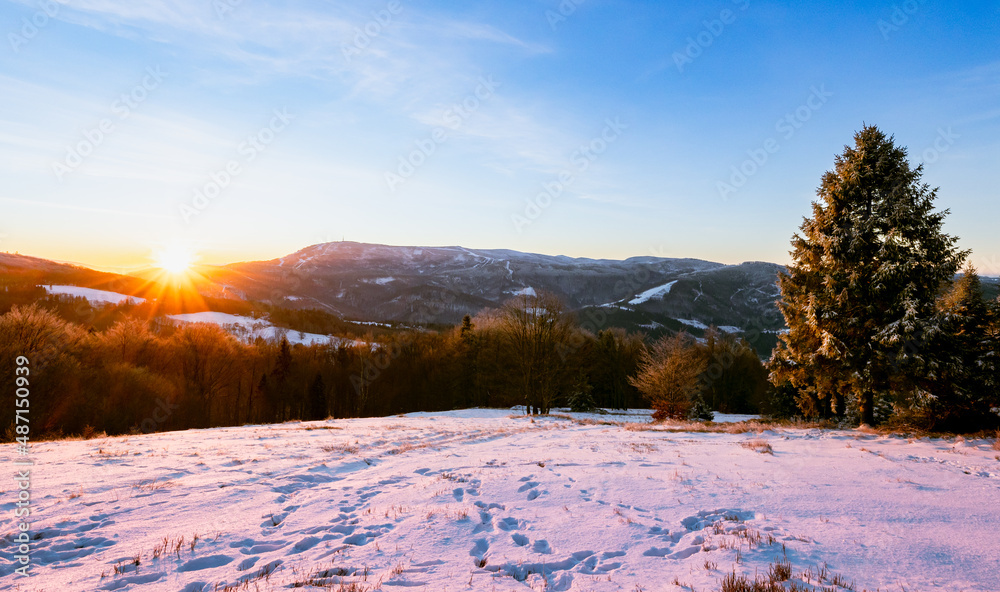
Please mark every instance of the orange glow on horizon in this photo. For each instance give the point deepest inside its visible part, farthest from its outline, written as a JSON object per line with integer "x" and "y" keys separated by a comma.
{"x": 175, "y": 259}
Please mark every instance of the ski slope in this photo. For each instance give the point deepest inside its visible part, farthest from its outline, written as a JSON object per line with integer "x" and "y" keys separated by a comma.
{"x": 657, "y": 292}
{"x": 490, "y": 500}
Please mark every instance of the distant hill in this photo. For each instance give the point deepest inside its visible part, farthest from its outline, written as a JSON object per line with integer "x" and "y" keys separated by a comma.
{"x": 378, "y": 282}
{"x": 442, "y": 284}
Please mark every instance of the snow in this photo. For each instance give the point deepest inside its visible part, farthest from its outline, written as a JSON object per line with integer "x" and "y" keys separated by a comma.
{"x": 372, "y": 323}
{"x": 701, "y": 325}
{"x": 93, "y": 295}
{"x": 493, "y": 500}
{"x": 657, "y": 292}
{"x": 529, "y": 291}
{"x": 693, "y": 323}
{"x": 249, "y": 329}
{"x": 217, "y": 318}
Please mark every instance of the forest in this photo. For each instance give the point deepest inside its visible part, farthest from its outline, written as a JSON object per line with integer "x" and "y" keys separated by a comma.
{"x": 138, "y": 375}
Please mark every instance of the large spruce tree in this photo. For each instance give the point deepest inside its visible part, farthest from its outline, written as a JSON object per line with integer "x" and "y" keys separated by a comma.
{"x": 859, "y": 297}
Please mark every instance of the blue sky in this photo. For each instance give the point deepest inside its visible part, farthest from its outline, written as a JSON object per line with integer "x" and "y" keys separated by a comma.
{"x": 590, "y": 128}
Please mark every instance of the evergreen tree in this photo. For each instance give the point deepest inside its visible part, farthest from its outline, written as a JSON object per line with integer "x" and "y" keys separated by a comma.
{"x": 467, "y": 354}
{"x": 279, "y": 391}
{"x": 964, "y": 391}
{"x": 867, "y": 270}
{"x": 317, "y": 398}
{"x": 615, "y": 358}
{"x": 700, "y": 410}
{"x": 580, "y": 398}
{"x": 283, "y": 363}
{"x": 735, "y": 380}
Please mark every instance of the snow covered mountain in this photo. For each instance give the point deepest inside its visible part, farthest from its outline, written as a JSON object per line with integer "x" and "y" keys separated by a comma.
{"x": 441, "y": 284}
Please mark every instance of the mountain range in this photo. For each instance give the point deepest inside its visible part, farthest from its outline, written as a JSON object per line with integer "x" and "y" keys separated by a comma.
{"x": 435, "y": 286}
{"x": 442, "y": 284}
{"x": 439, "y": 285}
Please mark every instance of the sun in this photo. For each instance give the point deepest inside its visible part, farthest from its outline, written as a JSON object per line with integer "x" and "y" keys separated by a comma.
{"x": 175, "y": 259}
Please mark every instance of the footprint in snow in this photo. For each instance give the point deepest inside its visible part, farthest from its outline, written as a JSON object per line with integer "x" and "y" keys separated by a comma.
{"x": 527, "y": 486}
{"x": 485, "y": 523}
{"x": 560, "y": 584}
{"x": 274, "y": 520}
{"x": 305, "y": 544}
{"x": 148, "y": 578}
{"x": 685, "y": 553}
{"x": 479, "y": 549}
{"x": 490, "y": 506}
{"x": 657, "y": 551}
{"x": 205, "y": 563}
{"x": 247, "y": 563}
{"x": 542, "y": 546}
{"x": 519, "y": 539}
{"x": 264, "y": 548}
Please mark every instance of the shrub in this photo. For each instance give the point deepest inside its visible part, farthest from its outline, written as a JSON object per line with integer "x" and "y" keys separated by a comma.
{"x": 668, "y": 376}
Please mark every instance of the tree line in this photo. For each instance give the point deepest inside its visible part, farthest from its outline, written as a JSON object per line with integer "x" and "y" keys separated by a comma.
{"x": 139, "y": 375}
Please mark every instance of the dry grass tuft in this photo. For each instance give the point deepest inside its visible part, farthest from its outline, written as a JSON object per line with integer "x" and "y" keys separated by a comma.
{"x": 779, "y": 571}
{"x": 341, "y": 449}
{"x": 152, "y": 485}
{"x": 758, "y": 445}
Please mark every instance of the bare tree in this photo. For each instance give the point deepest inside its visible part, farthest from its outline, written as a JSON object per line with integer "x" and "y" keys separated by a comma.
{"x": 532, "y": 329}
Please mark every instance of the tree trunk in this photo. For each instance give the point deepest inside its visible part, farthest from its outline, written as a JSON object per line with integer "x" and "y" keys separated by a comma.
{"x": 837, "y": 405}
{"x": 867, "y": 408}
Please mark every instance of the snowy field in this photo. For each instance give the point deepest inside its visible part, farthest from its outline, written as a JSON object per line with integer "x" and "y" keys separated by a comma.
{"x": 488, "y": 500}
{"x": 95, "y": 296}
{"x": 243, "y": 327}
{"x": 249, "y": 329}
